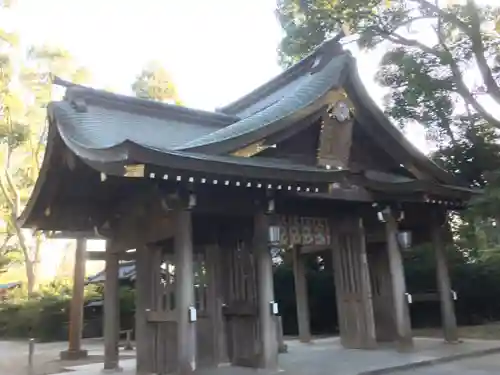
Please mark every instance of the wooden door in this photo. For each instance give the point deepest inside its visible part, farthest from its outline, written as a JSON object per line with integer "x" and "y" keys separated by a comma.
{"x": 206, "y": 335}
{"x": 240, "y": 310}
{"x": 162, "y": 314}
{"x": 156, "y": 327}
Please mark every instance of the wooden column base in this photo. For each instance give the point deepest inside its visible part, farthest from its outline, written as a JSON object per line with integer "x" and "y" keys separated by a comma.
{"x": 73, "y": 355}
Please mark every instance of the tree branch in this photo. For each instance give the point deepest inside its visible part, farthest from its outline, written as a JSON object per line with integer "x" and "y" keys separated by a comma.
{"x": 462, "y": 88}
{"x": 444, "y": 15}
{"x": 480, "y": 54}
{"x": 6, "y": 194}
{"x": 473, "y": 31}
{"x": 15, "y": 192}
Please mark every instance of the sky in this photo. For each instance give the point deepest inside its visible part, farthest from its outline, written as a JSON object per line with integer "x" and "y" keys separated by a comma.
{"x": 216, "y": 50}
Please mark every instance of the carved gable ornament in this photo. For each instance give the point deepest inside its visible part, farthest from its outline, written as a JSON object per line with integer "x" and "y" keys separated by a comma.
{"x": 336, "y": 133}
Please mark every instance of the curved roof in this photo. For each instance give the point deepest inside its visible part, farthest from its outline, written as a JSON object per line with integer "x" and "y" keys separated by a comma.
{"x": 108, "y": 132}
{"x": 98, "y": 123}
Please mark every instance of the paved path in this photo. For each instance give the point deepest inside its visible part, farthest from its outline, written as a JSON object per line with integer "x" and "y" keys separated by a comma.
{"x": 324, "y": 357}
{"x": 14, "y": 357}
{"x": 327, "y": 357}
{"x": 487, "y": 365}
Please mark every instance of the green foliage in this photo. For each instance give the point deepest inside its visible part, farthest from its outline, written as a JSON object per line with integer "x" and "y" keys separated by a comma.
{"x": 431, "y": 51}
{"x": 45, "y": 314}
{"x": 24, "y": 95}
{"x": 155, "y": 83}
{"x": 475, "y": 279}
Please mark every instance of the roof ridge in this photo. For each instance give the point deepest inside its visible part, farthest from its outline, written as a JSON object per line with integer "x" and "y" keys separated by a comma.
{"x": 132, "y": 104}
{"x": 280, "y": 80}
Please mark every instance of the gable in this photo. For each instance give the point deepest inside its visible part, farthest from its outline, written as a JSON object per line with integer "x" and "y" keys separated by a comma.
{"x": 298, "y": 147}
{"x": 324, "y": 141}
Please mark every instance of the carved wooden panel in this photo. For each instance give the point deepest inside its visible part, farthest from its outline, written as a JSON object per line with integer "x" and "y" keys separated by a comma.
{"x": 305, "y": 231}
{"x": 335, "y": 140}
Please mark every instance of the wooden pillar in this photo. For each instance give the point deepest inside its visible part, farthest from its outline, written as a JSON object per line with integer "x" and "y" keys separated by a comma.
{"x": 215, "y": 302}
{"x": 400, "y": 300}
{"x": 184, "y": 293}
{"x": 449, "y": 320}
{"x": 267, "y": 322}
{"x": 144, "y": 332}
{"x": 382, "y": 292}
{"x": 301, "y": 296}
{"x": 111, "y": 309}
{"x": 352, "y": 284}
{"x": 75, "y": 350}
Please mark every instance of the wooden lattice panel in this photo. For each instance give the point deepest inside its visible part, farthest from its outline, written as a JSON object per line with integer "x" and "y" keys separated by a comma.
{"x": 306, "y": 231}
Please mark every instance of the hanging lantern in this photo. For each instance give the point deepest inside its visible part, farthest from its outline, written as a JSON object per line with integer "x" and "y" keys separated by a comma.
{"x": 404, "y": 239}
{"x": 274, "y": 235}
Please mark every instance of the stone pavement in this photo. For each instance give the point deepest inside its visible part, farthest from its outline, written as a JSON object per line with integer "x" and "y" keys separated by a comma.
{"x": 14, "y": 356}
{"x": 327, "y": 357}
{"x": 485, "y": 365}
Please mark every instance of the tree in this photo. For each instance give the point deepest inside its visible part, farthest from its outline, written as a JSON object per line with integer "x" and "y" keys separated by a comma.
{"x": 441, "y": 64}
{"x": 458, "y": 38}
{"x": 13, "y": 132}
{"x": 155, "y": 83}
{"x": 26, "y": 75}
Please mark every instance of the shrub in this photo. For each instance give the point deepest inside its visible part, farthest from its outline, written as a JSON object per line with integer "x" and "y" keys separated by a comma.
{"x": 45, "y": 316}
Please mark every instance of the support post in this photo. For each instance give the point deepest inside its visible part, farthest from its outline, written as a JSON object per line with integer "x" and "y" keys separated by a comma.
{"x": 144, "y": 333}
{"x": 449, "y": 320}
{"x": 215, "y": 300}
{"x": 352, "y": 284}
{"x": 75, "y": 350}
{"x": 184, "y": 284}
{"x": 301, "y": 296}
{"x": 401, "y": 309}
{"x": 265, "y": 293}
{"x": 111, "y": 309}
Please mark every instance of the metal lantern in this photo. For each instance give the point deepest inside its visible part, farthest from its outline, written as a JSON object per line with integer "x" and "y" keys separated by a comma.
{"x": 404, "y": 239}
{"x": 274, "y": 235}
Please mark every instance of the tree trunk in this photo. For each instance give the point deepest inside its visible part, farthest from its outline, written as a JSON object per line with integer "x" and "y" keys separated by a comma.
{"x": 30, "y": 276}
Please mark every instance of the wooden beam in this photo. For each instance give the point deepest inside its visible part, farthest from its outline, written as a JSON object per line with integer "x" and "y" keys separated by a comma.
{"x": 309, "y": 249}
{"x": 161, "y": 316}
{"x": 89, "y": 235}
{"x": 101, "y": 255}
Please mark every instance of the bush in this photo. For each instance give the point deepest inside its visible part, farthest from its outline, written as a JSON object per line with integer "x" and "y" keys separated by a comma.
{"x": 45, "y": 316}
{"x": 477, "y": 284}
